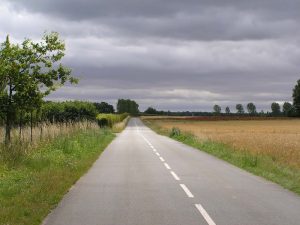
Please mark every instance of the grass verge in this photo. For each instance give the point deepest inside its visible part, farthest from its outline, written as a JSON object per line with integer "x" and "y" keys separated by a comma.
{"x": 32, "y": 186}
{"x": 258, "y": 164}
{"x": 119, "y": 127}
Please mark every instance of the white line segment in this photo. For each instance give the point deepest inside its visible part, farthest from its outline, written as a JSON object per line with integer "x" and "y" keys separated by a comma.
{"x": 157, "y": 154}
{"x": 167, "y": 166}
{"x": 205, "y": 214}
{"x": 187, "y": 191}
{"x": 161, "y": 159}
{"x": 175, "y": 175}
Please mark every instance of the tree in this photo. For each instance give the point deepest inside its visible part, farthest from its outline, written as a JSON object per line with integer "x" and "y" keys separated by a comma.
{"x": 104, "y": 107}
{"x": 217, "y": 109}
{"x": 275, "y": 107}
{"x": 296, "y": 97}
{"x": 227, "y": 110}
{"x": 251, "y": 108}
{"x": 127, "y": 106}
{"x": 151, "y": 110}
{"x": 28, "y": 73}
{"x": 240, "y": 109}
{"x": 287, "y": 108}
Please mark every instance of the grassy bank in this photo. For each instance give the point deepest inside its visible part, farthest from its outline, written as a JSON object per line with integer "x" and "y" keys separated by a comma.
{"x": 119, "y": 127}
{"x": 264, "y": 165}
{"x": 34, "y": 183}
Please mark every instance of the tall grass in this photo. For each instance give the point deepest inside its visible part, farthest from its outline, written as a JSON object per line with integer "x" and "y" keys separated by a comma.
{"x": 34, "y": 185}
{"x": 120, "y": 126}
{"x": 26, "y": 141}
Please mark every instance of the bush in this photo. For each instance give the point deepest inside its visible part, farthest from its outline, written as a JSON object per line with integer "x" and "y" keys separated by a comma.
{"x": 108, "y": 120}
{"x": 175, "y": 132}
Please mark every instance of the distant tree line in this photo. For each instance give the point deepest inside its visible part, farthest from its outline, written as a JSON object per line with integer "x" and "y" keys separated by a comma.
{"x": 287, "y": 109}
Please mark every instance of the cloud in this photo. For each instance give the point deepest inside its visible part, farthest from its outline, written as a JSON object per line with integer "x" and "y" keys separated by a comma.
{"x": 180, "y": 55}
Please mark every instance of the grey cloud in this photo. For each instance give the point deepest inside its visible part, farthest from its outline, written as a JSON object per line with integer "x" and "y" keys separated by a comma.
{"x": 177, "y": 55}
{"x": 192, "y": 19}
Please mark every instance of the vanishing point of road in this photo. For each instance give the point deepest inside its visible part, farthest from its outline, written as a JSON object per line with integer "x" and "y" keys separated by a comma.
{"x": 146, "y": 179}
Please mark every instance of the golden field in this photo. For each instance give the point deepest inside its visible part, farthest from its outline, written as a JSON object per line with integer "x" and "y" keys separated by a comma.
{"x": 279, "y": 139}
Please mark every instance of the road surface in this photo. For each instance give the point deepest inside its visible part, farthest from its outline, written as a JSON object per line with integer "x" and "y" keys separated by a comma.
{"x": 146, "y": 179}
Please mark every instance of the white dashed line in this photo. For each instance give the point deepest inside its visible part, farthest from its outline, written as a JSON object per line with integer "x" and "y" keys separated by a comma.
{"x": 174, "y": 175}
{"x": 161, "y": 159}
{"x": 187, "y": 191}
{"x": 205, "y": 214}
{"x": 167, "y": 166}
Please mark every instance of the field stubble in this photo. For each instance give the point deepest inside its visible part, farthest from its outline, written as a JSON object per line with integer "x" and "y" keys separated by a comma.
{"x": 279, "y": 139}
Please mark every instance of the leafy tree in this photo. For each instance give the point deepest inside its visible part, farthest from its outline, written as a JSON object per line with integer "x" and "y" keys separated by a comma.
{"x": 275, "y": 107}
{"x": 227, "y": 110}
{"x": 217, "y": 109}
{"x": 251, "y": 108}
{"x": 151, "y": 110}
{"x": 28, "y": 73}
{"x": 240, "y": 109}
{"x": 104, "y": 107}
{"x": 287, "y": 108}
{"x": 296, "y": 97}
{"x": 127, "y": 106}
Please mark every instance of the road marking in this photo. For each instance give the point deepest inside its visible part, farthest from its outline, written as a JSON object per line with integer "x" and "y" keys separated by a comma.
{"x": 154, "y": 150}
{"x": 205, "y": 214}
{"x": 187, "y": 191}
{"x": 161, "y": 159}
{"x": 167, "y": 166}
{"x": 175, "y": 175}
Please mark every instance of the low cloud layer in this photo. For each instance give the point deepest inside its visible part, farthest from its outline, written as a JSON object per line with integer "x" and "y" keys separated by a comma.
{"x": 173, "y": 55}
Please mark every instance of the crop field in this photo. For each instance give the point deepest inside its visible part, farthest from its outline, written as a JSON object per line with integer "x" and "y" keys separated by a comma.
{"x": 279, "y": 139}
{"x": 269, "y": 148}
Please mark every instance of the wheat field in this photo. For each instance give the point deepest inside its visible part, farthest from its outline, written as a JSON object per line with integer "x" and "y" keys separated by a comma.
{"x": 279, "y": 139}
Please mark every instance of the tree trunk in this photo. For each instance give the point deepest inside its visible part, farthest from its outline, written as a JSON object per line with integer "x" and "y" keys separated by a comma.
{"x": 31, "y": 127}
{"x": 9, "y": 116}
{"x": 8, "y": 128}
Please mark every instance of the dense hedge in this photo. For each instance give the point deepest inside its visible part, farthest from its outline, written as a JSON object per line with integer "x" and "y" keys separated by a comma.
{"x": 68, "y": 111}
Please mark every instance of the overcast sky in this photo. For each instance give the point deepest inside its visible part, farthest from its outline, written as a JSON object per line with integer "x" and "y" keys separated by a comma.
{"x": 170, "y": 54}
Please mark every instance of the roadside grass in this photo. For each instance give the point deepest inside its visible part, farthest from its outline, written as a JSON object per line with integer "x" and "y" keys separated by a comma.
{"x": 119, "y": 127}
{"x": 262, "y": 165}
{"x": 33, "y": 184}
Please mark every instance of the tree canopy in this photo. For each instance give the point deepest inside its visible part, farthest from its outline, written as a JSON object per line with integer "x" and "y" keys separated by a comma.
{"x": 217, "y": 109}
{"x": 127, "y": 106}
{"x": 29, "y": 72}
{"x": 251, "y": 108}
{"x": 296, "y": 97}
{"x": 240, "y": 108}
{"x": 275, "y": 107}
{"x": 104, "y": 107}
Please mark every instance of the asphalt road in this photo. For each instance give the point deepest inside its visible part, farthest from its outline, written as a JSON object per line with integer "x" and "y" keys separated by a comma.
{"x": 146, "y": 179}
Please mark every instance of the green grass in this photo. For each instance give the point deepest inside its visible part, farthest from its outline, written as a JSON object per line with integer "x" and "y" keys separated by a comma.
{"x": 34, "y": 184}
{"x": 261, "y": 165}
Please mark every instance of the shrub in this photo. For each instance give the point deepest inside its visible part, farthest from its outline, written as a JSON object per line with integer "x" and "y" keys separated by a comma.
{"x": 108, "y": 120}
